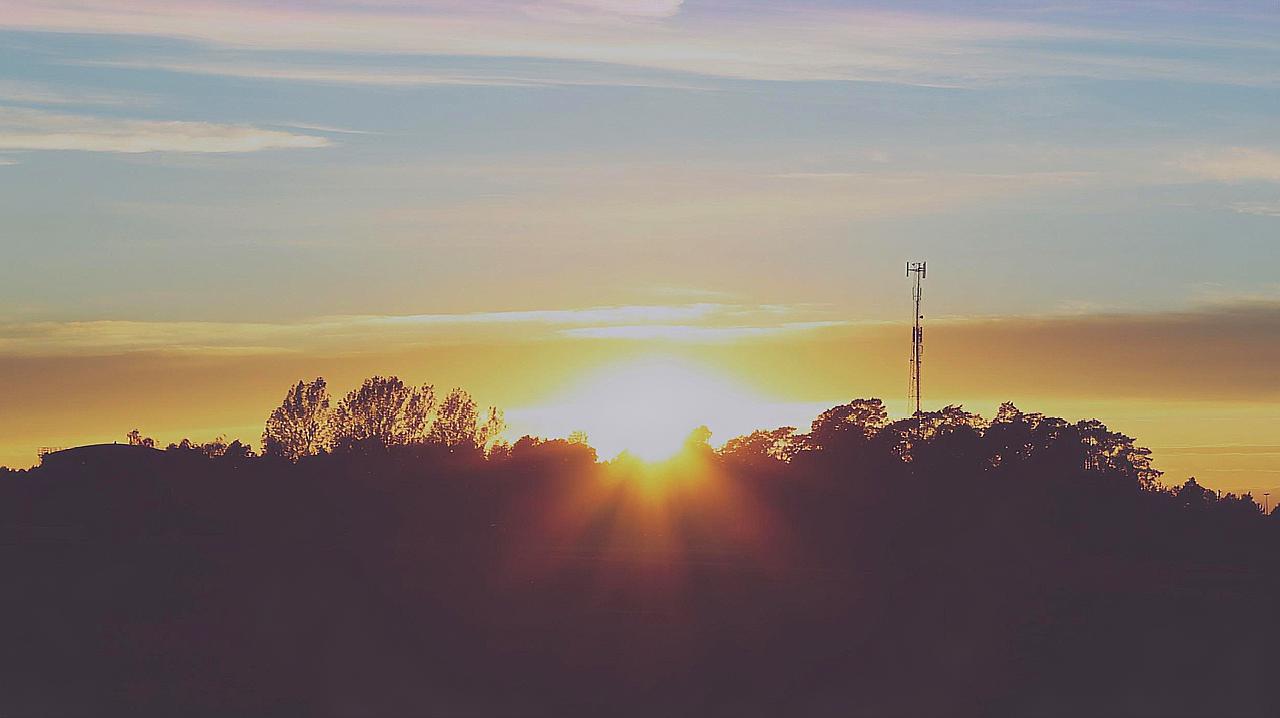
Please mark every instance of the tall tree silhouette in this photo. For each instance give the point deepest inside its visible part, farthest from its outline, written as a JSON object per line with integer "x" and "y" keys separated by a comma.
{"x": 383, "y": 410}
{"x": 1113, "y": 452}
{"x": 296, "y": 427}
{"x": 494, "y": 425}
{"x": 860, "y": 418}
{"x": 457, "y": 420}
{"x": 457, "y": 423}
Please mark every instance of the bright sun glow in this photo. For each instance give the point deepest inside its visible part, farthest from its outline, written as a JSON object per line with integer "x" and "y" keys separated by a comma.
{"x": 649, "y": 406}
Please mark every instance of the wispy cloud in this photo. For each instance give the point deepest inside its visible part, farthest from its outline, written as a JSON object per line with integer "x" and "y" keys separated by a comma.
{"x": 33, "y": 93}
{"x": 345, "y": 334}
{"x": 591, "y": 315}
{"x": 815, "y": 41}
{"x": 1039, "y": 178}
{"x": 691, "y": 333}
{"x": 282, "y": 69}
{"x": 640, "y": 8}
{"x": 326, "y": 74}
{"x": 1235, "y": 164}
{"x": 1262, "y": 209}
{"x": 1230, "y": 450}
{"x": 24, "y": 129}
{"x": 1217, "y": 350}
{"x": 327, "y": 129}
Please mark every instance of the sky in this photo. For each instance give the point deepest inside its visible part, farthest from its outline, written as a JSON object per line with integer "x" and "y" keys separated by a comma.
{"x": 203, "y": 202}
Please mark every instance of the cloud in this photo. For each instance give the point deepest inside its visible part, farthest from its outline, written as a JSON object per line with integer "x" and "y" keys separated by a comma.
{"x": 22, "y": 129}
{"x": 1038, "y": 178}
{"x": 1231, "y": 450}
{"x": 640, "y": 8}
{"x": 1236, "y": 164}
{"x": 328, "y": 129}
{"x": 399, "y": 76}
{"x": 345, "y": 334}
{"x": 30, "y": 93}
{"x": 1262, "y": 209}
{"x": 591, "y": 315}
{"x": 689, "y": 333}
{"x": 1215, "y": 351}
{"x": 760, "y": 41}
{"x": 326, "y": 74}
{"x": 1223, "y": 350}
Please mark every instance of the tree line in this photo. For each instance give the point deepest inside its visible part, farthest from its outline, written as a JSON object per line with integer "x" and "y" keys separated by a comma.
{"x": 387, "y": 413}
{"x": 384, "y": 412}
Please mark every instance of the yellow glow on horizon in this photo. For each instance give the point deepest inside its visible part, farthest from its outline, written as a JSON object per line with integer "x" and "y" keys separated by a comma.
{"x": 648, "y": 407}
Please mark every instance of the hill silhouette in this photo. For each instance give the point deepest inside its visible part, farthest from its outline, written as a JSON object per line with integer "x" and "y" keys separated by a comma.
{"x": 391, "y": 563}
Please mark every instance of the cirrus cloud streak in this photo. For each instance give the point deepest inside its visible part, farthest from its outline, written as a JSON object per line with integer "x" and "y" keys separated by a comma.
{"x": 351, "y": 334}
{"x": 26, "y": 129}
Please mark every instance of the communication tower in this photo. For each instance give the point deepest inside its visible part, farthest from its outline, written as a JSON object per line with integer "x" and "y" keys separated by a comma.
{"x": 916, "y": 273}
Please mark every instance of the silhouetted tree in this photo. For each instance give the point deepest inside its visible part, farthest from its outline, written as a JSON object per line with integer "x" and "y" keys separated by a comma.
{"x": 457, "y": 423}
{"x": 860, "y": 419}
{"x": 493, "y": 427}
{"x": 296, "y": 427}
{"x": 698, "y": 444}
{"x": 384, "y": 411}
{"x": 1114, "y": 453}
{"x": 499, "y": 451}
{"x": 237, "y": 450}
{"x": 533, "y": 450}
{"x": 136, "y": 438}
{"x": 1192, "y": 495}
{"x": 699, "y": 438}
{"x": 951, "y": 418}
{"x": 779, "y": 444}
{"x": 856, "y": 436}
{"x": 1238, "y": 508}
{"x": 1010, "y": 436}
{"x": 216, "y": 449}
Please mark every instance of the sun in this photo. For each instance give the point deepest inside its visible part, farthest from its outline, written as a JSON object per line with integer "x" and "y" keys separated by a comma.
{"x": 648, "y": 407}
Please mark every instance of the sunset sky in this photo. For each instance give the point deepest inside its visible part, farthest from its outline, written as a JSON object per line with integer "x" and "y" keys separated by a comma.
{"x": 577, "y": 207}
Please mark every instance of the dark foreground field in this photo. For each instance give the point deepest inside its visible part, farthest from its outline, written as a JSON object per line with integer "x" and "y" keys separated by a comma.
{"x": 545, "y": 585}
